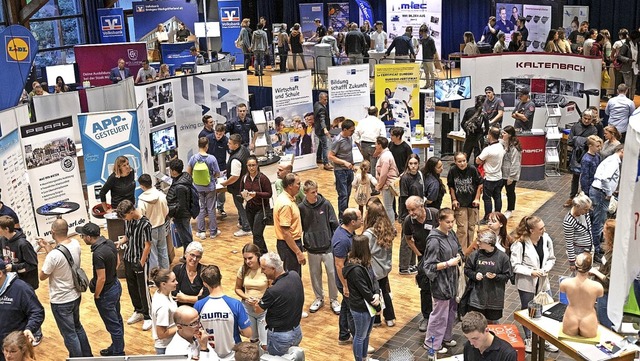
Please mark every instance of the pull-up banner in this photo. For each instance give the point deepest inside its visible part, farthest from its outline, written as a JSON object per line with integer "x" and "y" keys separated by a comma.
{"x": 308, "y": 13}
{"x": 106, "y": 136}
{"x": 402, "y": 13}
{"x": 16, "y": 56}
{"x": 112, "y": 25}
{"x": 54, "y": 177}
{"x": 366, "y": 13}
{"x": 230, "y": 18}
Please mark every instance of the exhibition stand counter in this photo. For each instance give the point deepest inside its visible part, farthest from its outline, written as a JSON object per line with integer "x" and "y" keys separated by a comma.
{"x": 533, "y": 152}
{"x": 546, "y": 329}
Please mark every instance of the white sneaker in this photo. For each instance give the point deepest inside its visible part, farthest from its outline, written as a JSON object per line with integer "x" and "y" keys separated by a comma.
{"x": 241, "y": 233}
{"x": 239, "y": 225}
{"x": 507, "y": 214}
{"x": 527, "y": 345}
{"x": 451, "y": 343}
{"x": 135, "y": 318}
{"x": 214, "y": 235}
{"x": 146, "y": 325}
{"x": 304, "y": 314}
{"x": 391, "y": 323}
{"x": 316, "y": 305}
{"x": 370, "y": 349}
{"x": 336, "y": 307}
{"x": 549, "y": 347}
{"x": 201, "y": 235}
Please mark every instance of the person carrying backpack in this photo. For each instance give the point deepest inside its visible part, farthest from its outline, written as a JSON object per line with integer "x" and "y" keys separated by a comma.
{"x": 180, "y": 199}
{"x": 204, "y": 170}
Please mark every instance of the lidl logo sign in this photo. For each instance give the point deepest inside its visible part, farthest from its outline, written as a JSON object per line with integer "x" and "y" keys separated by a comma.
{"x": 229, "y": 14}
{"x": 111, "y": 22}
{"x": 17, "y": 48}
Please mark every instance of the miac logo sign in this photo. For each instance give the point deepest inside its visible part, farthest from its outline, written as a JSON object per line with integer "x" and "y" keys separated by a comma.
{"x": 17, "y": 48}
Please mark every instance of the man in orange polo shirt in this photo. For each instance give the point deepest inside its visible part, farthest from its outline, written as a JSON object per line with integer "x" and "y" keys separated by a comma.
{"x": 287, "y": 224}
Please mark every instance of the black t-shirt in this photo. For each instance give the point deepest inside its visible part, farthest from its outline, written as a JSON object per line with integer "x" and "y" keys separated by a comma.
{"x": 500, "y": 350}
{"x": 465, "y": 184}
{"x": 186, "y": 286}
{"x": 400, "y": 154}
{"x": 540, "y": 250}
{"x": 420, "y": 231}
{"x": 105, "y": 256}
{"x": 284, "y": 301}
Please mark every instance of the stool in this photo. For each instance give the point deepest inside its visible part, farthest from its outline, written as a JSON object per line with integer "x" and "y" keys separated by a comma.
{"x": 510, "y": 334}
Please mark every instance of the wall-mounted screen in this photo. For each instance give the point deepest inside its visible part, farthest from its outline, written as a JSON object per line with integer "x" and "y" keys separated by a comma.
{"x": 163, "y": 140}
{"x": 448, "y": 90}
{"x": 66, "y": 71}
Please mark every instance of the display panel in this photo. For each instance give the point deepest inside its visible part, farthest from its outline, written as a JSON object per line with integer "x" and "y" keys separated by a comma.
{"x": 66, "y": 71}
{"x": 163, "y": 140}
{"x": 448, "y": 90}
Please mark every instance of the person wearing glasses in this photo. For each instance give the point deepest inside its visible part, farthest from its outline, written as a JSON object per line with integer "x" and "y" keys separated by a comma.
{"x": 190, "y": 288}
{"x": 578, "y": 135}
{"x": 190, "y": 338}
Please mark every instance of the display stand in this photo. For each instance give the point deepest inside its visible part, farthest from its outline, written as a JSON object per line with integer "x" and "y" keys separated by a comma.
{"x": 553, "y": 135}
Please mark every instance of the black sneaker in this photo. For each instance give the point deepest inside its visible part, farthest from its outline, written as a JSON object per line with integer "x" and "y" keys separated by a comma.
{"x": 408, "y": 272}
{"x": 597, "y": 258}
{"x": 106, "y": 352}
{"x": 222, "y": 214}
{"x": 483, "y": 222}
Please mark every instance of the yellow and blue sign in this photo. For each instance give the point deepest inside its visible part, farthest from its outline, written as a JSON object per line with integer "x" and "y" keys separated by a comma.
{"x": 19, "y": 48}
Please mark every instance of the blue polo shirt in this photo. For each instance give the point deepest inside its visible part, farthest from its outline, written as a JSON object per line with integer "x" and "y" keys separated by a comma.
{"x": 341, "y": 244}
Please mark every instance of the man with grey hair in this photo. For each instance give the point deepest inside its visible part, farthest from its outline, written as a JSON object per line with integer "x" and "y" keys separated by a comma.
{"x": 415, "y": 229}
{"x": 283, "y": 302}
{"x": 619, "y": 109}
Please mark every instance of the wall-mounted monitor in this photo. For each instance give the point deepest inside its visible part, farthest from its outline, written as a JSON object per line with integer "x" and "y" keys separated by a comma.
{"x": 66, "y": 71}
{"x": 448, "y": 90}
{"x": 213, "y": 29}
{"x": 163, "y": 140}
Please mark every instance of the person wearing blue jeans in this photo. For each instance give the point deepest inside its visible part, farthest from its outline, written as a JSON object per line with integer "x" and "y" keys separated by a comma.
{"x": 341, "y": 154}
{"x": 363, "y": 323}
{"x": 183, "y": 231}
{"x": 279, "y": 342}
{"x": 605, "y": 183}
{"x": 64, "y": 297}
{"x": 179, "y": 201}
{"x": 153, "y": 205}
{"x": 492, "y": 190}
{"x": 106, "y": 288}
{"x": 67, "y": 316}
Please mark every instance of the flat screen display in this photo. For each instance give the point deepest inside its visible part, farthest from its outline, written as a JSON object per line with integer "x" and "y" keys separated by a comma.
{"x": 163, "y": 140}
{"x": 448, "y": 90}
{"x": 66, "y": 71}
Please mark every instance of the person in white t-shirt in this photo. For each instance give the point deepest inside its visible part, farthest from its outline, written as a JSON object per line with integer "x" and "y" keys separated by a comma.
{"x": 491, "y": 160}
{"x": 163, "y": 308}
{"x": 221, "y": 315}
{"x": 379, "y": 38}
{"x": 190, "y": 338}
{"x": 64, "y": 298}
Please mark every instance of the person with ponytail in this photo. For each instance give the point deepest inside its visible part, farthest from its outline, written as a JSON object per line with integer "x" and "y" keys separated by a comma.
{"x": 163, "y": 308}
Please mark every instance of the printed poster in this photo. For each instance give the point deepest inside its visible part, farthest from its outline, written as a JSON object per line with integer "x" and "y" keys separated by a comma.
{"x": 539, "y": 23}
{"x": 293, "y": 101}
{"x": 148, "y": 14}
{"x": 349, "y": 93}
{"x": 184, "y": 100}
{"x": 54, "y": 177}
{"x": 572, "y": 16}
{"x": 106, "y": 136}
{"x": 398, "y": 93}
{"x": 506, "y": 18}
{"x": 338, "y": 16}
{"x": 230, "y": 20}
{"x": 308, "y": 13}
{"x": 401, "y": 14}
{"x": 112, "y": 28}
{"x": 14, "y": 183}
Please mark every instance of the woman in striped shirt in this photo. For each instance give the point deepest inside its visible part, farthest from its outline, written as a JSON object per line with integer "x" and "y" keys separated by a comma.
{"x": 577, "y": 229}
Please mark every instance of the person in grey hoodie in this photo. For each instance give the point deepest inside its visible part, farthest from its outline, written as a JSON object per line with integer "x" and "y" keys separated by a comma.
{"x": 443, "y": 254}
{"x": 319, "y": 221}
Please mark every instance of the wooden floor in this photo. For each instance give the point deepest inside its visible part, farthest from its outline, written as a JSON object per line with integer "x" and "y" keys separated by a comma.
{"x": 320, "y": 330}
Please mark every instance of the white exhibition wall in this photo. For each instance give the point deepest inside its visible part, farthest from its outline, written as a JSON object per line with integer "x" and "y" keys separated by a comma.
{"x": 56, "y": 106}
{"x": 551, "y": 78}
{"x": 112, "y": 97}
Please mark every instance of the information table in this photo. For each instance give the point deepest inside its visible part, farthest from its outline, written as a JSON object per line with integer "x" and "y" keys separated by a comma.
{"x": 546, "y": 329}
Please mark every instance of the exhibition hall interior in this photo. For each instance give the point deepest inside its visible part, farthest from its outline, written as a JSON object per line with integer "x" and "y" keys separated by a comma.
{"x": 319, "y": 180}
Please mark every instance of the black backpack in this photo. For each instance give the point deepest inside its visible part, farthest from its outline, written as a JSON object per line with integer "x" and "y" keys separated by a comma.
{"x": 474, "y": 125}
{"x": 194, "y": 204}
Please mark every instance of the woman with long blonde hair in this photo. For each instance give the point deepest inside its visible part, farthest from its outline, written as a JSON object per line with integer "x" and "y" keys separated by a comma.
{"x": 380, "y": 232}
